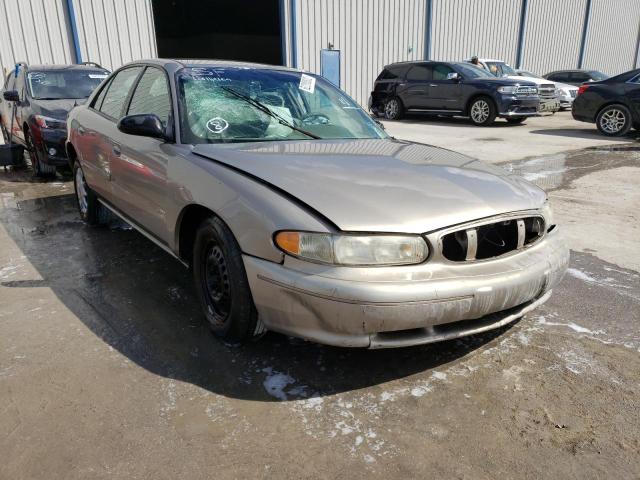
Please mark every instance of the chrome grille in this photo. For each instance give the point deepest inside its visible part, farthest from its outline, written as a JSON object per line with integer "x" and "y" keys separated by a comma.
{"x": 573, "y": 93}
{"x": 491, "y": 240}
{"x": 526, "y": 91}
{"x": 547, "y": 91}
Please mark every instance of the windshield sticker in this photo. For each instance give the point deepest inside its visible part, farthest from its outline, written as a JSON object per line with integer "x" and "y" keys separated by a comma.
{"x": 307, "y": 83}
{"x": 98, "y": 75}
{"x": 217, "y": 125}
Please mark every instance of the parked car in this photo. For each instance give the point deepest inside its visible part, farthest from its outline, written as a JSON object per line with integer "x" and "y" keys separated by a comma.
{"x": 549, "y": 96}
{"x": 450, "y": 88}
{"x": 566, "y": 93}
{"x": 576, "y": 77}
{"x": 299, "y": 214}
{"x": 39, "y": 98}
{"x": 611, "y": 104}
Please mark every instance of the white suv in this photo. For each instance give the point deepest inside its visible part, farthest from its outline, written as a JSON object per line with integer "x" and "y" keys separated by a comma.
{"x": 549, "y": 94}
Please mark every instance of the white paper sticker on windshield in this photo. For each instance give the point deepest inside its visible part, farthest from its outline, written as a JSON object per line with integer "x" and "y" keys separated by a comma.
{"x": 98, "y": 75}
{"x": 217, "y": 125}
{"x": 307, "y": 83}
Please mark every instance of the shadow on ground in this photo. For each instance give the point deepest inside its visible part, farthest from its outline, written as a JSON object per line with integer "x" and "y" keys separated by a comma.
{"x": 139, "y": 300}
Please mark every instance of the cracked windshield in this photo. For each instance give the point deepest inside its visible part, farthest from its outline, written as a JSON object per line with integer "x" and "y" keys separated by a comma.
{"x": 219, "y": 105}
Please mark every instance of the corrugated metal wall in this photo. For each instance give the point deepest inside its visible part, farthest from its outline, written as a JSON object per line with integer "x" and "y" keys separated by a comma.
{"x": 487, "y": 28}
{"x": 368, "y": 33}
{"x": 114, "y": 32}
{"x": 552, "y": 35}
{"x": 612, "y": 36}
{"x": 34, "y": 31}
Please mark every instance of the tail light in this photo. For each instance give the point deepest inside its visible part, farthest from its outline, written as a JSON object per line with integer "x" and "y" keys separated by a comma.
{"x": 582, "y": 89}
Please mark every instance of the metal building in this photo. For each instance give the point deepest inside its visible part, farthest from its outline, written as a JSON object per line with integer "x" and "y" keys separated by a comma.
{"x": 347, "y": 40}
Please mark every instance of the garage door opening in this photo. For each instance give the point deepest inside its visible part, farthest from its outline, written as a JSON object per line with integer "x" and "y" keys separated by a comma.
{"x": 231, "y": 30}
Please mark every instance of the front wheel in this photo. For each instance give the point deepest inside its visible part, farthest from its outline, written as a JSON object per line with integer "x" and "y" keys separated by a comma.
{"x": 515, "y": 121}
{"x": 221, "y": 283}
{"x": 614, "y": 120}
{"x": 482, "y": 111}
{"x": 40, "y": 169}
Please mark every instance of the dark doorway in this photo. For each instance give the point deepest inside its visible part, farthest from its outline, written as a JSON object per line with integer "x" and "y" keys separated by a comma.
{"x": 225, "y": 29}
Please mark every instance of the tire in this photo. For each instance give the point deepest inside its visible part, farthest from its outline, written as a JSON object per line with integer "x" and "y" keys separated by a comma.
{"x": 614, "y": 120}
{"x": 91, "y": 212}
{"x": 222, "y": 285}
{"x": 516, "y": 121}
{"x": 482, "y": 111}
{"x": 40, "y": 169}
{"x": 393, "y": 109}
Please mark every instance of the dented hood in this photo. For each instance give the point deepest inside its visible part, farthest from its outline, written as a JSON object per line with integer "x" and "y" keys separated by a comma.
{"x": 381, "y": 185}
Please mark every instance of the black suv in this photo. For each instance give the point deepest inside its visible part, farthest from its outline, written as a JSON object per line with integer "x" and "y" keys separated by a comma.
{"x": 576, "y": 77}
{"x": 451, "y": 88}
{"x": 612, "y": 104}
{"x": 39, "y": 98}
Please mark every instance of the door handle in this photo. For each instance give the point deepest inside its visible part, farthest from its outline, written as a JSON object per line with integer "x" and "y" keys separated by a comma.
{"x": 433, "y": 85}
{"x": 116, "y": 150}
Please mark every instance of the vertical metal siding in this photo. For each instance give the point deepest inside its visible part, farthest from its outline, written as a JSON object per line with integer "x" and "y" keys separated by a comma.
{"x": 612, "y": 36}
{"x": 369, "y": 34}
{"x": 114, "y": 32}
{"x": 552, "y": 35}
{"x": 34, "y": 31}
{"x": 463, "y": 28}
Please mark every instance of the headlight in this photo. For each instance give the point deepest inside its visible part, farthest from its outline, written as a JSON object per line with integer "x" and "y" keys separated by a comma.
{"x": 547, "y": 213}
{"x": 511, "y": 89}
{"x": 353, "y": 250}
{"x": 50, "y": 123}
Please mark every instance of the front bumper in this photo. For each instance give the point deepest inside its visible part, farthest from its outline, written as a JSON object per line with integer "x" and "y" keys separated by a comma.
{"x": 45, "y": 140}
{"x": 514, "y": 106}
{"x": 435, "y": 301}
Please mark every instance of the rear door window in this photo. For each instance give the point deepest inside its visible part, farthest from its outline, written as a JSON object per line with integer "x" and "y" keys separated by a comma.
{"x": 580, "y": 77}
{"x": 559, "y": 77}
{"x": 152, "y": 95}
{"x": 116, "y": 95}
{"x": 419, "y": 73}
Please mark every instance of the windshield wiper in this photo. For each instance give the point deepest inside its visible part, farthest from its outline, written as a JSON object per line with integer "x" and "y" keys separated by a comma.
{"x": 263, "y": 108}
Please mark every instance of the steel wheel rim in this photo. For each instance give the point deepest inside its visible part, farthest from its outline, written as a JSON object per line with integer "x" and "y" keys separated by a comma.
{"x": 391, "y": 108}
{"x": 480, "y": 111}
{"x": 613, "y": 120}
{"x": 217, "y": 285}
{"x": 81, "y": 192}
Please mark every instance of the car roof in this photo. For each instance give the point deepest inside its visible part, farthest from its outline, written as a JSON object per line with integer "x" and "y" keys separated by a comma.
{"x": 65, "y": 67}
{"x": 197, "y": 62}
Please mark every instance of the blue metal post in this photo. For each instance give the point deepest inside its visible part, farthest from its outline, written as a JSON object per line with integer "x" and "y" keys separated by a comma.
{"x": 427, "y": 29}
{"x": 294, "y": 39}
{"x": 283, "y": 35}
{"x": 524, "y": 10}
{"x": 74, "y": 31}
{"x": 585, "y": 29}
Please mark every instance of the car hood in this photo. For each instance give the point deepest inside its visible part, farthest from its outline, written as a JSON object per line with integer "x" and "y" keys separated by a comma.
{"x": 537, "y": 81}
{"x": 58, "y": 109}
{"x": 381, "y": 185}
{"x": 565, "y": 86}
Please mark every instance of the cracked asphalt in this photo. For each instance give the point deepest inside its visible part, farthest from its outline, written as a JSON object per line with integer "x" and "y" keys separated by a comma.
{"x": 107, "y": 371}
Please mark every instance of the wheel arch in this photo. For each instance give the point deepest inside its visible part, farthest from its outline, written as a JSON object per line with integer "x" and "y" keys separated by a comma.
{"x": 189, "y": 219}
{"x": 476, "y": 96}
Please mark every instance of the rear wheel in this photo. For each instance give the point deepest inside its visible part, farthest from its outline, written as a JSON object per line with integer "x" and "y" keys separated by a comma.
{"x": 516, "y": 120}
{"x": 221, "y": 283}
{"x": 39, "y": 169}
{"x": 89, "y": 207}
{"x": 614, "y": 120}
{"x": 482, "y": 111}
{"x": 393, "y": 109}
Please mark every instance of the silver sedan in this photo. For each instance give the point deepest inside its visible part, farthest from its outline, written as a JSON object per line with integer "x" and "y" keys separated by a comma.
{"x": 297, "y": 213}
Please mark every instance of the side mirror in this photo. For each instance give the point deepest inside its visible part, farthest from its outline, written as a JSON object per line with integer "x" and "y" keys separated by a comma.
{"x": 455, "y": 76}
{"x": 143, "y": 125}
{"x": 11, "y": 96}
